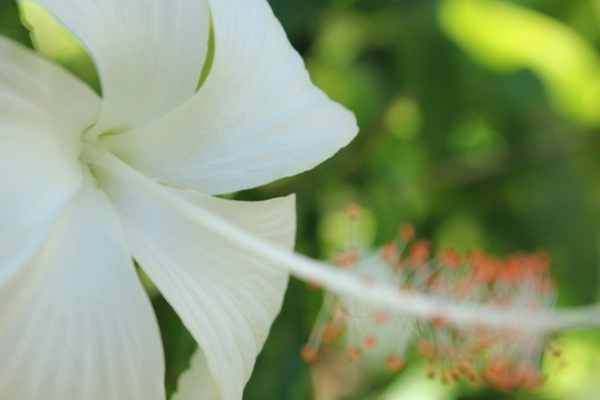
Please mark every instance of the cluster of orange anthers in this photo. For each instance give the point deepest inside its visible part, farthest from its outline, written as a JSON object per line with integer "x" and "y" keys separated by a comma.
{"x": 505, "y": 358}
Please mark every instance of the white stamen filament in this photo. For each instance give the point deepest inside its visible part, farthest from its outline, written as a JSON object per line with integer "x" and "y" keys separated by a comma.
{"x": 343, "y": 282}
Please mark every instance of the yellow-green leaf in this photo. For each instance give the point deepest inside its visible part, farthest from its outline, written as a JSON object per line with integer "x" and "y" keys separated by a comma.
{"x": 507, "y": 37}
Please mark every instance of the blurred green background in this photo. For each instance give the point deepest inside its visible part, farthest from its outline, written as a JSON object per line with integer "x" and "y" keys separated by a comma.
{"x": 480, "y": 124}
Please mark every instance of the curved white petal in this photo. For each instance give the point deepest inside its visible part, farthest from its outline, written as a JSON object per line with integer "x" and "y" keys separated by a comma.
{"x": 255, "y": 119}
{"x": 76, "y": 323}
{"x": 225, "y": 297}
{"x": 149, "y": 53}
{"x": 43, "y": 112}
{"x": 195, "y": 383}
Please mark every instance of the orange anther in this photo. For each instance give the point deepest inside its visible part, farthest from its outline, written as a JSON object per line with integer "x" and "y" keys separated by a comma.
{"x": 529, "y": 376}
{"x": 465, "y": 368}
{"x": 420, "y": 251}
{"x": 426, "y": 349}
{"x": 484, "y": 267}
{"x": 431, "y": 374}
{"x": 540, "y": 261}
{"x": 394, "y": 363}
{"x": 331, "y": 332}
{"x": 548, "y": 285}
{"x": 444, "y": 379}
{"x": 450, "y": 258}
{"x": 454, "y": 376}
{"x": 346, "y": 258}
{"x": 504, "y": 375}
{"x": 406, "y": 232}
{"x": 354, "y": 353}
{"x": 309, "y": 354}
{"x": 353, "y": 211}
{"x": 370, "y": 341}
{"x": 380, "y": 317}
{"x": 389, "y": 252}
{"x": 465, "y": 286}
{"x": 511, "y": 270}
{"x": 439, "y": 321}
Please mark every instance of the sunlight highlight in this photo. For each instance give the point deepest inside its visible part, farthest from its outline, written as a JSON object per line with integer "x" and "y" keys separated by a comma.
{"x": 507, "y": 37}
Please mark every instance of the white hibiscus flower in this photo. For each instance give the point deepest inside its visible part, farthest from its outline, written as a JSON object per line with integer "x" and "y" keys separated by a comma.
{"x": 90, "y": 182}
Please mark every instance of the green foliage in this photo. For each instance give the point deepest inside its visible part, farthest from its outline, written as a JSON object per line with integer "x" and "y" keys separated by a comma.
{"x": 10, "y": 24}
{"x": 508, "y": 37}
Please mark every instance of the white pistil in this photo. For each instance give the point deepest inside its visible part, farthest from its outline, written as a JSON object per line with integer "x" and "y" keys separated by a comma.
{"x": 379, "y": 294}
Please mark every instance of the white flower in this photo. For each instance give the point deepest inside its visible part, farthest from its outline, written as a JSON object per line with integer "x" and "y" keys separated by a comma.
{"x": 89, "y": 182}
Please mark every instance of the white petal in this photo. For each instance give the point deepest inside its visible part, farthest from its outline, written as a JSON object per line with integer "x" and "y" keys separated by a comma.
{"x": 255, "y": 119}
{"x": 195, "y": 383}
{"x": 43, "y": 112}
{"x": 149, "y": 53}
{"x": 225, "y": 297}
{"x": 76, "y": 323}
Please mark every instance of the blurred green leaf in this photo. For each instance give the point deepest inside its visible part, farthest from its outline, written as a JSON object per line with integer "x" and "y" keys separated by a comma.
{"x": 10, "y": 23}
{"x": 54, "y": 41}
{"x": 506, "y": 37}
